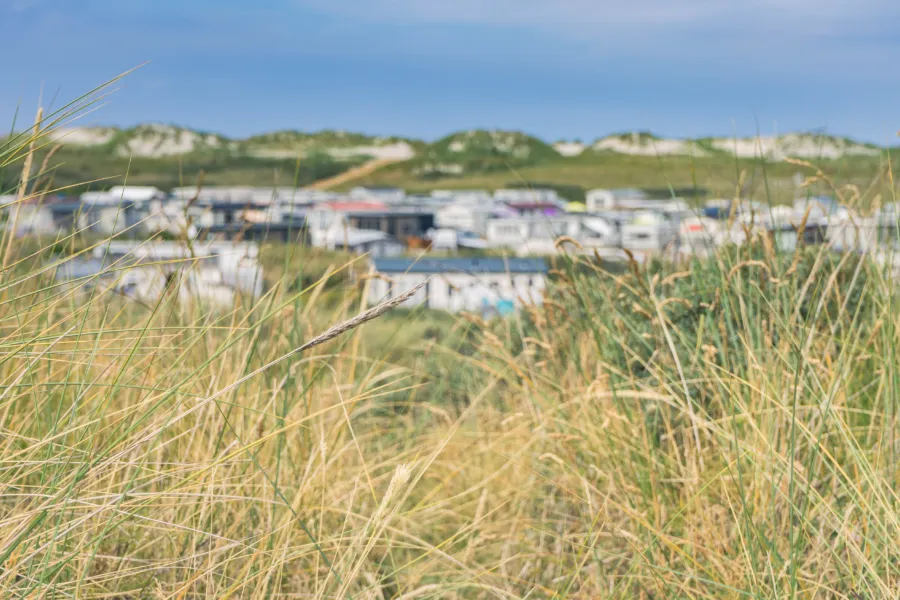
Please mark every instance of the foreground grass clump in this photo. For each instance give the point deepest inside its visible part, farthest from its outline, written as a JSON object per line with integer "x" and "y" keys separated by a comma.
{"x": 725, "y": 429}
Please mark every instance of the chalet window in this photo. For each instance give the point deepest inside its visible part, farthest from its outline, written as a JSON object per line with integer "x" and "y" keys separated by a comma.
{"x": 506, "y": 230}
{"x": 543, "y": 230}
{"x": 370, "y": 223}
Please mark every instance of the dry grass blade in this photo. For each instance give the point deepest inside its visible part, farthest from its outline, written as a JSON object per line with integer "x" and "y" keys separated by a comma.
{"x": 328, "y": 335}
{"x": 748, "y": 263}
{"x": 23, "y": 189}
{"x": 567, "y": 239}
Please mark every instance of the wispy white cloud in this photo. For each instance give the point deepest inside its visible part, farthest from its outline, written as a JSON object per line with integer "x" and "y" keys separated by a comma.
{"x": 827, "y": 39}
{"x": 609, "y": 16}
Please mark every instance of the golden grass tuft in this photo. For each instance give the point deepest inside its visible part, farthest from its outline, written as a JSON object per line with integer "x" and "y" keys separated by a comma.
{"x": 736, "y": 438}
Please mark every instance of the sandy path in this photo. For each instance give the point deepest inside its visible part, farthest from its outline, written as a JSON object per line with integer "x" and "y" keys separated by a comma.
{"x": 355, "y": 173}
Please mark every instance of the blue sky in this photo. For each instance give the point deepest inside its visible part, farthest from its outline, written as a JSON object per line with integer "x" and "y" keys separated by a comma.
{"x": 424, "y": 68}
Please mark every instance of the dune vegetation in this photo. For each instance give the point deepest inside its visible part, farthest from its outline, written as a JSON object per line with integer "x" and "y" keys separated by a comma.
{"x": 724, "y": 428}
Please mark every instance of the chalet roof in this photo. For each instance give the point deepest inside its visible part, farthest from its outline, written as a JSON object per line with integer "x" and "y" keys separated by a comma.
{"x": 356, "y": 206}
{"x": 232, "y": 205}
{"x": 296, "y": 225}
{"x": 390, "y": 213}
{"x": 533, "y": 205}
{"x": 460, "y": 265}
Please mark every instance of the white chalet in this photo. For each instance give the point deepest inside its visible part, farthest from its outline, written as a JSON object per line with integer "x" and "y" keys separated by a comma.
{"x": 630, "y": 199}
{"x": 125, "y": 194}
{"x": 469, "y": 213}
{"x": 363, "y": 241}
{"x": 529, "y": 196}
{"x": 214, "y": 273}
{"x": 236, "y": 264}
{"x": 489, "y": 285}
{"x": 649, "y": 232}
{"x": 850, "y": 232}
{"x": 137, "y": 208}
{"x": 601, "y": 199}
{"x": 697, "y": 234}
{"x": 538, "y": 235}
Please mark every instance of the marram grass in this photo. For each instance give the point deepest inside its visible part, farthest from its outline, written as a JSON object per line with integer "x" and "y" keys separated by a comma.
{"x": 722, "y": 429}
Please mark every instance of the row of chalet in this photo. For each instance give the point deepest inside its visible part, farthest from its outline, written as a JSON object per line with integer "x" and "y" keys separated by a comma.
{"x": 386, "y": 222}
{"x": 417, "y": 238}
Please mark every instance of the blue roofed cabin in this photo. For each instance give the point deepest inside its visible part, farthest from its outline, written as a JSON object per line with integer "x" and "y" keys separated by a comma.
{"x": 487, "y": 285}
